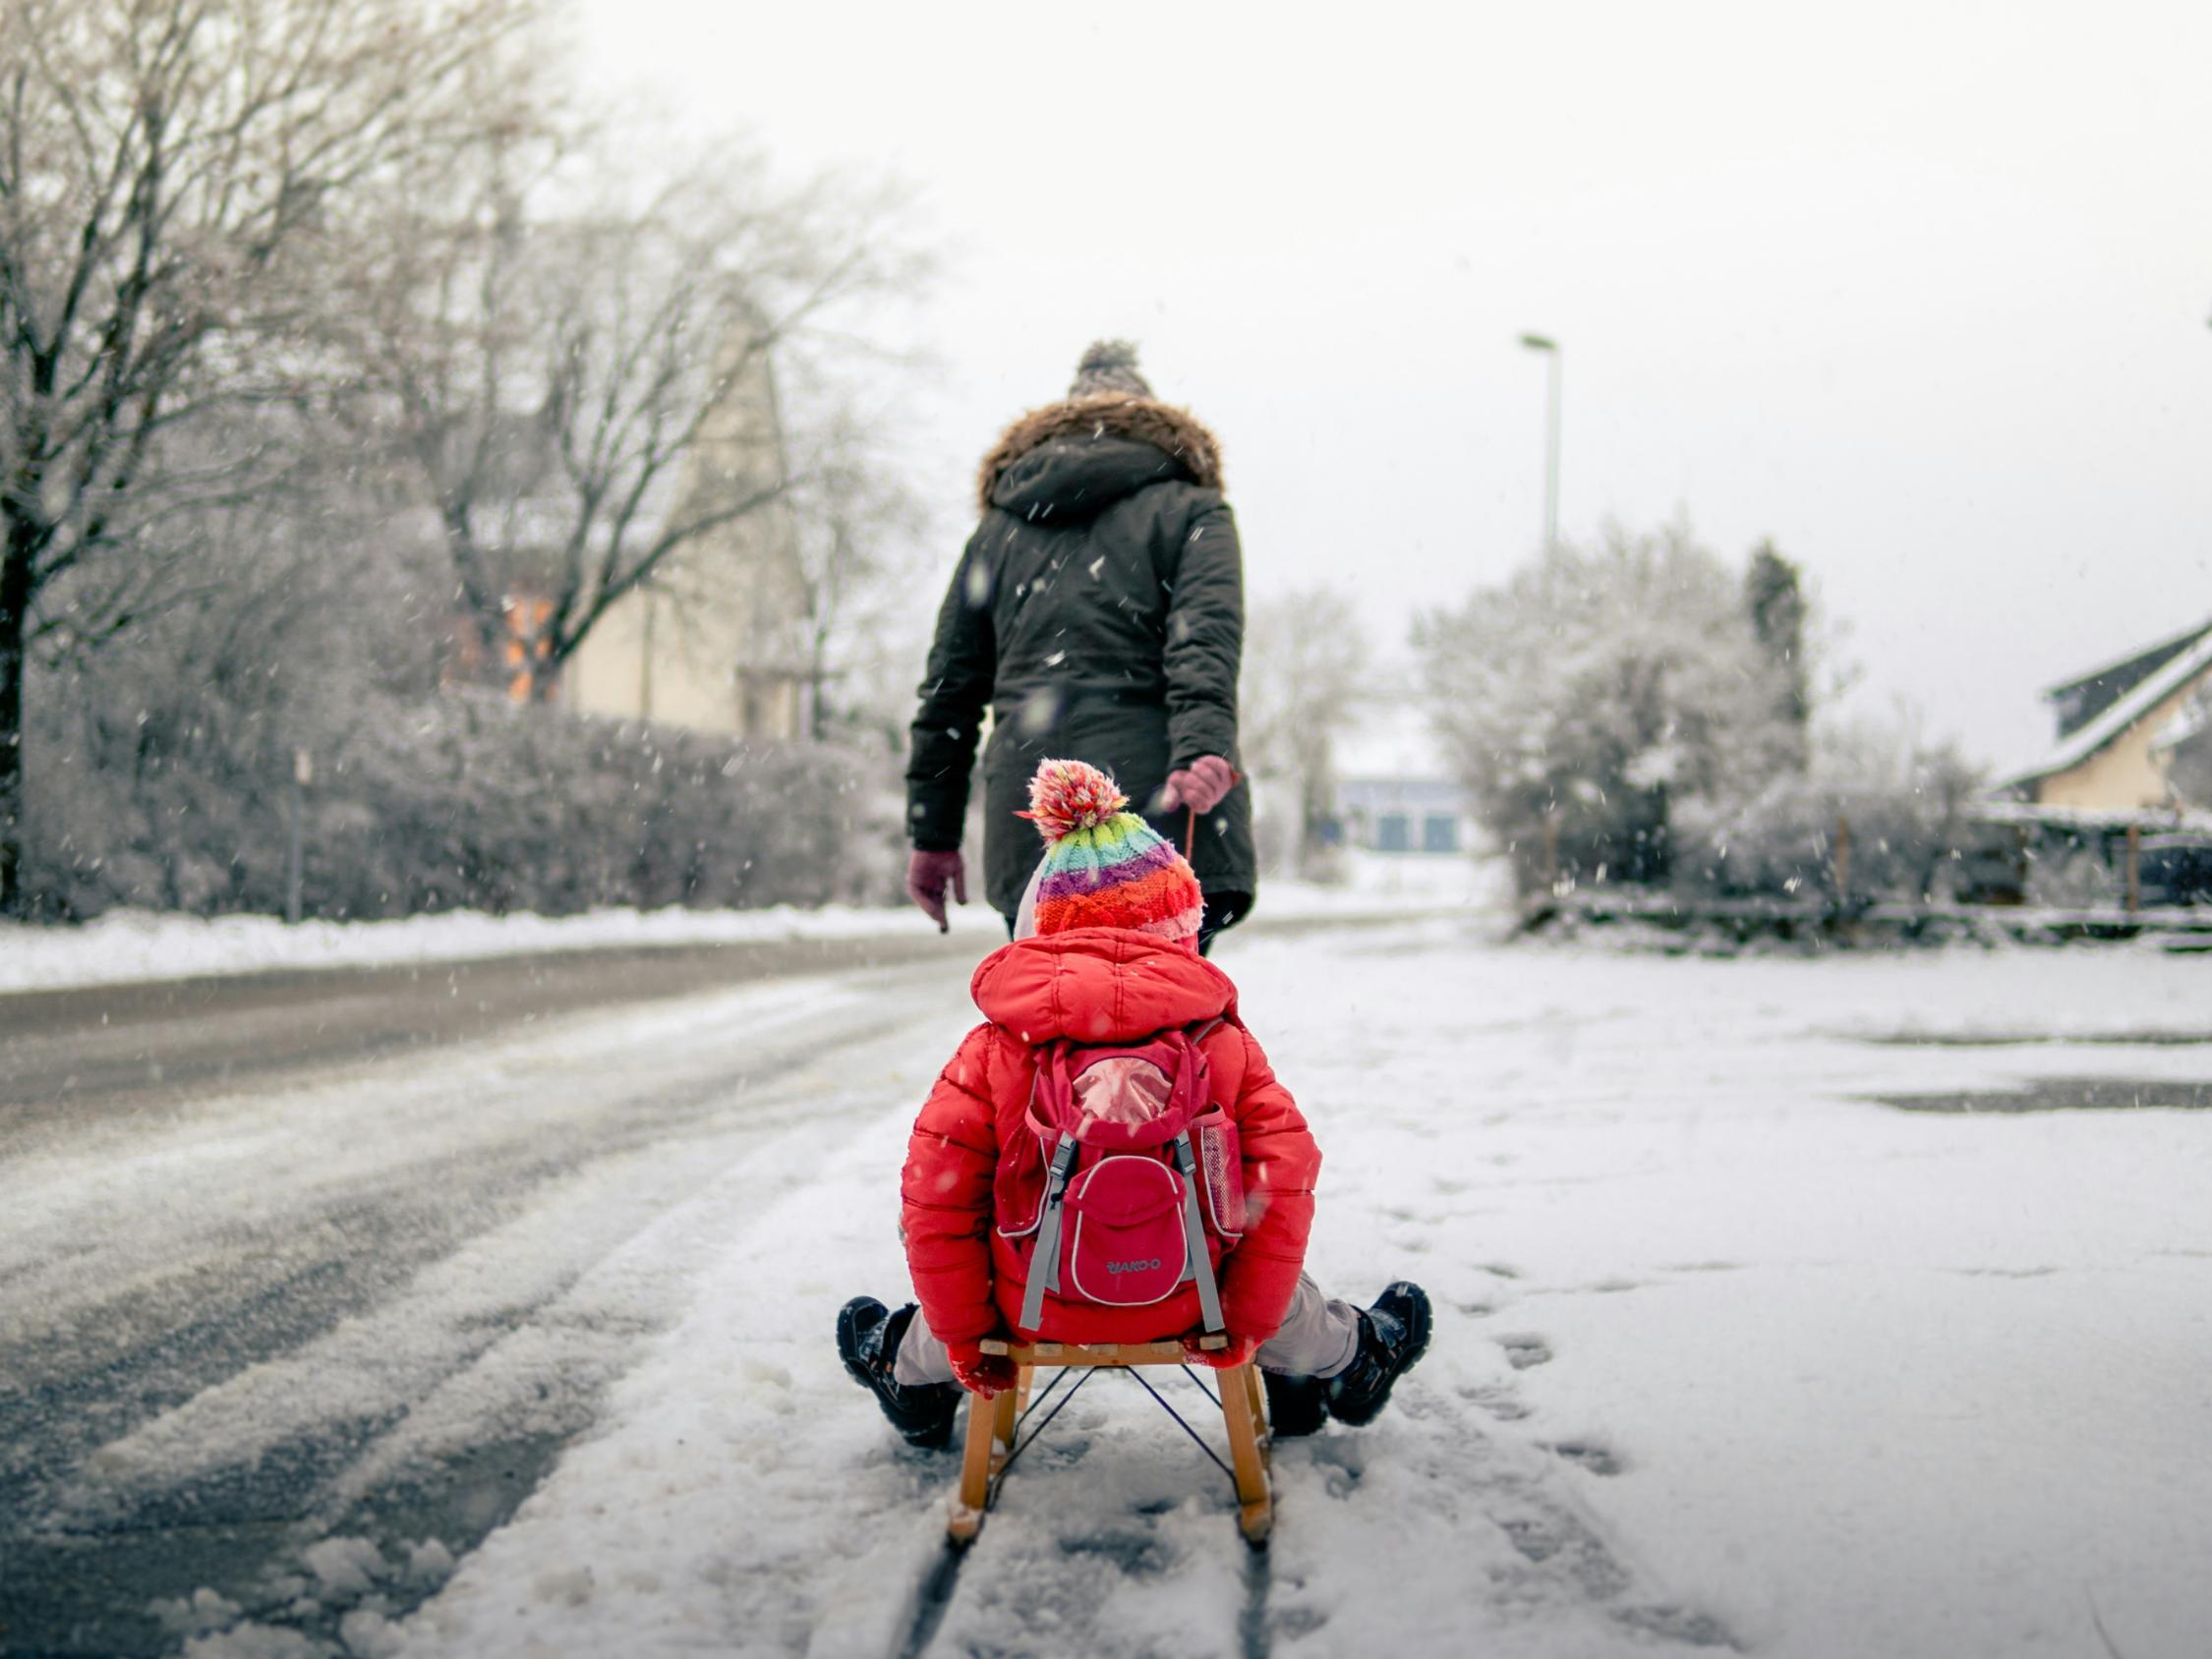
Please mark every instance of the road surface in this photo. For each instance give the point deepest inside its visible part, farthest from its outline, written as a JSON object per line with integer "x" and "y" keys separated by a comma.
{"x": 332, "y": 1194}
{"x": 1856, "y": 1304}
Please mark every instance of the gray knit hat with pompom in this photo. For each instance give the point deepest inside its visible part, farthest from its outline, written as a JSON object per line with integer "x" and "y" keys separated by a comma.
{"x": 1109, "y": 370}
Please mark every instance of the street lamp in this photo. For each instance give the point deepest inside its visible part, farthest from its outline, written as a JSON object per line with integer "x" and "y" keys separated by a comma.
{"x": 1550, "y": 348}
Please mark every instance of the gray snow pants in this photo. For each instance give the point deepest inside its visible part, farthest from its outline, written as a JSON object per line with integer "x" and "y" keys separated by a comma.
{"x": 1319, "y": 1339}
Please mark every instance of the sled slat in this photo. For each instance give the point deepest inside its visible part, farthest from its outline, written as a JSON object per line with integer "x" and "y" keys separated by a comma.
{"x": 1098, "y": 1353}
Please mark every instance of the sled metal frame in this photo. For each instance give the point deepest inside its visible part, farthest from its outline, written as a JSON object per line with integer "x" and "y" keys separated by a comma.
{"x": 994, "y": 1438}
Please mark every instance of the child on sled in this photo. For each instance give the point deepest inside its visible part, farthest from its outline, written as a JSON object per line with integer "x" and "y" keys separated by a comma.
{"x": 1104, "y": 1025}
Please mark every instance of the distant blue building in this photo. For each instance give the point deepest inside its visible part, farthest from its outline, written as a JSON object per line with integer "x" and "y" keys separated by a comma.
{"x": 1394, "y": 794}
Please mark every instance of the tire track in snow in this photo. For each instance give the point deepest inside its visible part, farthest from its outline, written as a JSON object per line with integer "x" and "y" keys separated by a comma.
{"x": 208, "y": 1285}
{"x": 216, "y": 1383}
{"x": 776, "y": 1512}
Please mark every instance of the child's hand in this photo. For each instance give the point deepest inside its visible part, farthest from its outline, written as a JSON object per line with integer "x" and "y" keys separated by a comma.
{"x": 1238, "y": 1352}
{"x": 986, "y": 1374}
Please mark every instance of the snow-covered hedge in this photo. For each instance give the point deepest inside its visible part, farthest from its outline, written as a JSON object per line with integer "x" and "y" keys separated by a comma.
{"x": 1891, "y": 844}
{"x": 451, "y": 802}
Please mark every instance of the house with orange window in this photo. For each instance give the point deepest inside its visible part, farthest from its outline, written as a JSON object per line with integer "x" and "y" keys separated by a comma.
{"x": 718, "y": 643}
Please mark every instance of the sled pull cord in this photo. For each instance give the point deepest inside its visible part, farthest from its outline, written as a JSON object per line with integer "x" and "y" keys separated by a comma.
{"x": 1044, "y": 1261}
{"x": 1190, "y": 817}
{"x": 1200, "y": 1261}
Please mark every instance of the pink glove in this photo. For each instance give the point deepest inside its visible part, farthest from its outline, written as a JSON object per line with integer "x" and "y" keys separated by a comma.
{"x": 1201, "y": 785}
{"x": 986, "y": 1374}
{"x": 928, "y": 873}
{"x": 1238, "y": 1351}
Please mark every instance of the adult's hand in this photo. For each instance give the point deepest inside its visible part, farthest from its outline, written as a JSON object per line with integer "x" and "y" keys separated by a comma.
{"x": 927, "y": 876}
{"x": 1201, "y": 785}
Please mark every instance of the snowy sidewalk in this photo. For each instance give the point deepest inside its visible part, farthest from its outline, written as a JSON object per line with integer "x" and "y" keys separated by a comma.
{"x": 1728, "y": 1352}
{"x": 133, "y": 947}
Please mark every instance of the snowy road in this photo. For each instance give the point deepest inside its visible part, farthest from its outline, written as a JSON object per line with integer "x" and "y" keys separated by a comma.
{"x": 521, "y": 1346}
{"x": 377, "y": 1299}
{"x": 100, "y": 1049}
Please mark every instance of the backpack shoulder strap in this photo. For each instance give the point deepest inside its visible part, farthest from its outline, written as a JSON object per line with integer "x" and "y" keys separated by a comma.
{"x": 1196, "y": 1036}
{"x": 1044, "y": 1259}
{"x": 1050, "y": 1089}
{"x": 1197, "y": 1264}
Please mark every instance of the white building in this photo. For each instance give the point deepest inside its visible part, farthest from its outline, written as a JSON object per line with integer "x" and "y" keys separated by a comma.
{"x": 720, "y": 644}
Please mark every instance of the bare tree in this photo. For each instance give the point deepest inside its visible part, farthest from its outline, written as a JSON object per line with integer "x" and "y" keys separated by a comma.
{"x": 851, "y": 528}
{"x": 584, "y": 394}
{"x": 169, "y": 172}
{"x": 1305, "y": 678}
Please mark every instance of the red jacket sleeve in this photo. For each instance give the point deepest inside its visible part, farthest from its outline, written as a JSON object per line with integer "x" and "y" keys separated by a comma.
{"x": 1281, "y": 1164}
{"x": 945, "y": 1213}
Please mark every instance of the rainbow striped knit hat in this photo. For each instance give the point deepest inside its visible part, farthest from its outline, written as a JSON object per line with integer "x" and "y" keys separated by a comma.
{"x": 1103, "y": 866}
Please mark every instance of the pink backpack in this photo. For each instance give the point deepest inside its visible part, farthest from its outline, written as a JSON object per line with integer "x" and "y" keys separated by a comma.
{"x": 1144, "y": 1185}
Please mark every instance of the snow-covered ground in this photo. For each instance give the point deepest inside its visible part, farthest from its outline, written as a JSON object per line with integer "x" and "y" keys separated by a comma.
{"x": 1729, "y": 1352}
{"x": 135, "y": 945}
{"x": 129, "y": 946}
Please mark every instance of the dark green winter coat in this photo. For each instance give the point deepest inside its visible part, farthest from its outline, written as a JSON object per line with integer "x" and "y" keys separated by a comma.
{"x": 1097, "y": 615}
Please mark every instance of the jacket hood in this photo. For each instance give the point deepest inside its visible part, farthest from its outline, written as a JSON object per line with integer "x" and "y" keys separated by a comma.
{"x": 1070, "y": 460}
{"x": 1098, "y": 985}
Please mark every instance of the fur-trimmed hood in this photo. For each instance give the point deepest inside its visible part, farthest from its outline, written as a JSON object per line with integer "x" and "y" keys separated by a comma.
{"x": 1176, "y": 433}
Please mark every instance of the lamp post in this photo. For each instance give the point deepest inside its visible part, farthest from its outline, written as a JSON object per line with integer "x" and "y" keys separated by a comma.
{"x": 295, "y": 851}
{"x": 1550, "y": 348}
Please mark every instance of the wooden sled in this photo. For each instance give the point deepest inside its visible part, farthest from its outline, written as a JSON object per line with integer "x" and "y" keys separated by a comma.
{"x": 994, "y": 1425}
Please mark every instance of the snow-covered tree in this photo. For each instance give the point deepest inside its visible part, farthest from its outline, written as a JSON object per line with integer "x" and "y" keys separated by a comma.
{"x": 272, "y": 273}
{"x": 172, "y": 175}
{"x": 858, "y": 530}
{"x": 1596, "y": 690}
{"x": 1773, "y": 591}
{"x": 579, "y": 365}
{"x": 1305, "y": 679}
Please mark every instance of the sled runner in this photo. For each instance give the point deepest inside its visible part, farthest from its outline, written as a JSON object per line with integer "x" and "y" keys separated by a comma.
{"x": 994, "y": 1426}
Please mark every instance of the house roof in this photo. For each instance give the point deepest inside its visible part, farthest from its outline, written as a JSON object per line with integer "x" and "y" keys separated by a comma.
{"x": 2175, "y": 669}
{"x": 2090, "y": 818}
{"x": 2083, "y": 699}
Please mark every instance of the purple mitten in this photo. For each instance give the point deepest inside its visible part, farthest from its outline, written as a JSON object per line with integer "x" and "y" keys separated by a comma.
{"x": 928, "y": 873}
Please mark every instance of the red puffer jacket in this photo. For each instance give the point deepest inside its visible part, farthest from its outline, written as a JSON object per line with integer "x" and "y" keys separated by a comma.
{"x": 1096, "y": 985}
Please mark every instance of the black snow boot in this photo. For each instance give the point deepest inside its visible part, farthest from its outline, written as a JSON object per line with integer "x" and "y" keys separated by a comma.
{"x": 868, "y": 1336}
{"x": 1393, "y": 1334}
{"x": 1295, "y": 1406}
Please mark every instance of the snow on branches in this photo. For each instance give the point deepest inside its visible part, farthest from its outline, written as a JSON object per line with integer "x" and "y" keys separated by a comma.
{"x": 1599, "y": 687}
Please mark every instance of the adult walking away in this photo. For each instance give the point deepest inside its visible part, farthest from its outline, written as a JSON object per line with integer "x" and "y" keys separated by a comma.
{"x": 1097, "y": 613}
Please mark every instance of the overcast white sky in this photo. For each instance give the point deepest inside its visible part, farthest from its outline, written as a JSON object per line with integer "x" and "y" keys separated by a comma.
{"x": 1919, "y": 291}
